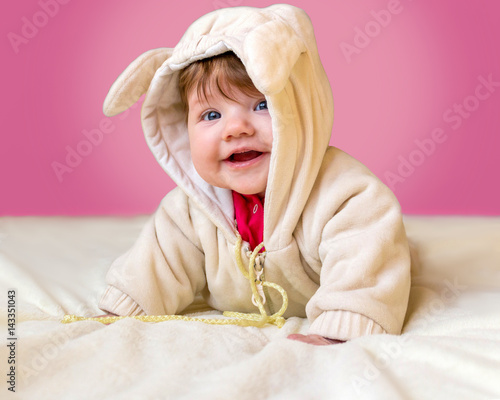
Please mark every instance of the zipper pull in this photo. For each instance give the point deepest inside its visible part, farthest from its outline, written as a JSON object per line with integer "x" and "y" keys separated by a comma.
{"x": 260, "y": 288}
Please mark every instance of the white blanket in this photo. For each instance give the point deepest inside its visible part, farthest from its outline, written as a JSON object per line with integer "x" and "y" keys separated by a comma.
{"x": 449, "y": 349}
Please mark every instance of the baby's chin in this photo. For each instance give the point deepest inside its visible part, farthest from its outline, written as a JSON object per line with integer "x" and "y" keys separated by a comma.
{"x": 250, "y": 188}
{"x": 261, "y": 194}
{"x": 244, "y": 185}
{"x": 246, "y": 190}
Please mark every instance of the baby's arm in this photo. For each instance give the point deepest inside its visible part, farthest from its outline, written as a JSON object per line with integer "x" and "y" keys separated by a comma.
{"x": 363, "y": 250}
{"x": 106, "y": 315}
{"x": 314, "y": 339}
{"x": 163, "y": 271}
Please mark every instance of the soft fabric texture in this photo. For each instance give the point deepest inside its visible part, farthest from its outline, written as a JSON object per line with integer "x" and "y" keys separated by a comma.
{"x": 333, "y": 232}
{"x": 449, "y": 347}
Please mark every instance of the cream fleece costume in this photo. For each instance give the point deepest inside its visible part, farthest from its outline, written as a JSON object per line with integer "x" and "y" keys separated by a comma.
{"x": 333, "y": 232}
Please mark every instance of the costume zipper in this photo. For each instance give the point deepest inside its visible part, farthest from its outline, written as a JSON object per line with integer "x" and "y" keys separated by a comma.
{"x": 259, "y": 272}
{"x": 269, "y": 302}
{"x": 259, "y": 266}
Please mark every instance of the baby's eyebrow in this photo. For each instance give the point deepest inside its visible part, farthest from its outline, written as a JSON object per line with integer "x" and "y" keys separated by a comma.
{"x": 195, "y": 102}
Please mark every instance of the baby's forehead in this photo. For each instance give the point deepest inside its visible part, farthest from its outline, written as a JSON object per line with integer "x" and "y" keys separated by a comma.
{"x": 202, "y": 97}
{"x": 212, "y": 92}
{"x": 213, "y": 87}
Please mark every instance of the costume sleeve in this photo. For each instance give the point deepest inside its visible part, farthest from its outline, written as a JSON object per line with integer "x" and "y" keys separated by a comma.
{"x": 163, "y": 270}
{"x": 365, "y": 265}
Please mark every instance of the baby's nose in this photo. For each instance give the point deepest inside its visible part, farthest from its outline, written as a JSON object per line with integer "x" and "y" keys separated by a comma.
{"x": 237, "y": 126}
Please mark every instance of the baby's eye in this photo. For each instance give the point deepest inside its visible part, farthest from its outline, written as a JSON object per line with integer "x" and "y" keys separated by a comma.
{"x": 262, "y": 105}
{"x": 211, "y": 115}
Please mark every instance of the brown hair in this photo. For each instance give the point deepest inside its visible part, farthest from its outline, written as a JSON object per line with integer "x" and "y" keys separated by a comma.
{"x": 225, "y": 72}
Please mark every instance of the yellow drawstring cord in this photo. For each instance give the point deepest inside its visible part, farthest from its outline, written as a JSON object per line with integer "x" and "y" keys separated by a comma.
{"x": 241, "y": 319}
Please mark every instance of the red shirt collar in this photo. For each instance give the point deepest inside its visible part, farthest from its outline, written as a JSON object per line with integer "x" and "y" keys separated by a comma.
{"x": 249, "y": 214}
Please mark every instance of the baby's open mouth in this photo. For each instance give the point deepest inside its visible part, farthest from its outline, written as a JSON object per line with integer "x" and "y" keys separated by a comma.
{"x": 245, "y": 156}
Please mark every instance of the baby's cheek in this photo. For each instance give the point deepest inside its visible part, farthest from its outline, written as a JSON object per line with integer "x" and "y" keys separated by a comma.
{"x": 207, "y": 169}
{"x": 200, "y": 166}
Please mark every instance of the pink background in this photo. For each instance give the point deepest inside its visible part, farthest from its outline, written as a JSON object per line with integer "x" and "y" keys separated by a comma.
{"x": 388, "y": 96}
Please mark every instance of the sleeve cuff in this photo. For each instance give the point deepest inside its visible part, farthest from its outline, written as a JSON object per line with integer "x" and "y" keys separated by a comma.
{"x": 344, "y": 325}
{"x": 115, "y": 301}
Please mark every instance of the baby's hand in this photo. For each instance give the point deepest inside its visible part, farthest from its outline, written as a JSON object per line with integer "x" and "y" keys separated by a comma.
{"x": 314, "y": 339}
{"x": 105, "y": 315}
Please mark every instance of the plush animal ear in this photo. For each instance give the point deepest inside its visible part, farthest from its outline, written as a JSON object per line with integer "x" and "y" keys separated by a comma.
{"x": 134, "y": 81}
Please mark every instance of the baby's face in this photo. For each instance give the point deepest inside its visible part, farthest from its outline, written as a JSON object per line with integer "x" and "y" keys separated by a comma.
{"x": 231, "y": 141}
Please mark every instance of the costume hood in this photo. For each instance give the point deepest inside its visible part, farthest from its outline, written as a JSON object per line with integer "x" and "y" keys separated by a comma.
{"x": 278, "y": 48}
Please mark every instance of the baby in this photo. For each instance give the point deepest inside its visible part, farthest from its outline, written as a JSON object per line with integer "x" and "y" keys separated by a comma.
{"x": 239, "y": 114}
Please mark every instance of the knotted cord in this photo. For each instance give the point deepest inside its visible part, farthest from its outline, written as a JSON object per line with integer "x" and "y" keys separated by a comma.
{"x": 236, "y": 318}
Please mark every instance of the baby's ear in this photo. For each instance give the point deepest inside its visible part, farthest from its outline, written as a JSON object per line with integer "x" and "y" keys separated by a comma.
{"x": 134, "y": 81}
